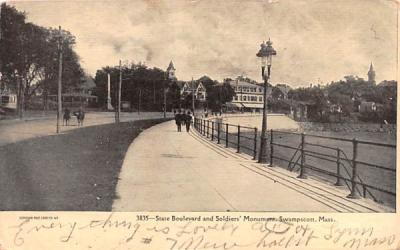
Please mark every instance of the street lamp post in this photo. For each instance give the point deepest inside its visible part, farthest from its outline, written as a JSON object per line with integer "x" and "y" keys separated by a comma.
{"x": 265, "y": 53}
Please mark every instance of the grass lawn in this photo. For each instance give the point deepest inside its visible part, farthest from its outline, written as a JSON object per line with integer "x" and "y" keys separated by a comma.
{"x": 76, "y": 171}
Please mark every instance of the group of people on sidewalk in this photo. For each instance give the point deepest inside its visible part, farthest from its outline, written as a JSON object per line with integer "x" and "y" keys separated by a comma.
{"x": 183, "y": 118}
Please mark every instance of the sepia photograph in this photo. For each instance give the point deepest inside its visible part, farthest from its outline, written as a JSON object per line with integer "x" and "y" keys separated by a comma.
{"x": 198, "y": 106}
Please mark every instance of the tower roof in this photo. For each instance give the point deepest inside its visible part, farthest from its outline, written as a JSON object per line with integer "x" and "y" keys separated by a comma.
{"x": 371, "y": 68}
{"x": 171, "y": 66}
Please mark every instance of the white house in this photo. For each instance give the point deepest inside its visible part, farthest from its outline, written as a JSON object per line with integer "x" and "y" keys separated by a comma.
{"x": 249, "y": 95}
{"x": 197, "y": 88}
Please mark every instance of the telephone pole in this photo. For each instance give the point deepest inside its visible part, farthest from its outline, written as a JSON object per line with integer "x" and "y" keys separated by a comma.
{"x": 59, "y": 96}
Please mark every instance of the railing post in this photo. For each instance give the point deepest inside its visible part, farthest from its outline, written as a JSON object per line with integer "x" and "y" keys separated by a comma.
{"x": 218, "y": 132}
{"x": 212, "y": 130}
{"x": 226, "y": 135}
{"x": 339, "y": 181}
{"x": 204, "y": 127}
{"x": 353, "y": 194}
{"x": 208, "y": 128}
{"x": 303, "y": 174}
{"x": 255, "y": 144}
{"x": 238, "y": 139}
{"x": 271, "y": 142}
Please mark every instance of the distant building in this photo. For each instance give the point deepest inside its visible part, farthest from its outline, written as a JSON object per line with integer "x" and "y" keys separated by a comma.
{"x": 283, "y": 91}
{"x": 194, "y": 87}
{"x": 371, "y": 74}
{"x": 8, "y": 99}
{"x": 171, "y": 71}
{"x": 249, "y": 95}
{"x": 367, "y": 107}
{"x": 78, "y": 96}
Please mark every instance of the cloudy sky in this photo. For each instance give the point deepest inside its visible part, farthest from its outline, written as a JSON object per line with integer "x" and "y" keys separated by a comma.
{"x": 316, "y": 40}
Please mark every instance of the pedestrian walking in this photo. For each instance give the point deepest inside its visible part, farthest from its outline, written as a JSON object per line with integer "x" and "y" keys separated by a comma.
{"x": 80, "y": 116}
{"x": 178, "y": 121}
{"x": 67, "y": 116}
{"x": 188, "y": 121}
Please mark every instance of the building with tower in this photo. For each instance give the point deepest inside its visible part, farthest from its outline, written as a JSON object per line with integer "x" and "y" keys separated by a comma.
{"x": 171, "y": 71}
{"x": 371, "y": 74}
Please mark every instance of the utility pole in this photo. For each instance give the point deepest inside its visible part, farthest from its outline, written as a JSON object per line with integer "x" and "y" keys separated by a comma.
{"x": 23, "y": 83}
{"x": 119, "y": 91}
{"x": 59, "y": 96}
{"x": 18, "y": 94}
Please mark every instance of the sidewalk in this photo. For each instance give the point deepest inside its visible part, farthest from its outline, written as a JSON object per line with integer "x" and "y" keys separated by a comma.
{"x": 165, "y": 170}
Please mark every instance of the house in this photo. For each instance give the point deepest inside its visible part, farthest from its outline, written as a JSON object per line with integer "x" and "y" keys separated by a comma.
{"x": 8, "y": 99}
{"x": 194, "y": 87}
{"x": 367, "y": 107}
{"x": 78, "y": 96}
{"x": 335, "y": 108}
{"x": 249, "y": 95}
{"x": 283, "y": 91}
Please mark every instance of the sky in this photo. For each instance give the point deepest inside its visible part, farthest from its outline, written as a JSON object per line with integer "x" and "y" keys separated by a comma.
{"x": 317, "y": 41}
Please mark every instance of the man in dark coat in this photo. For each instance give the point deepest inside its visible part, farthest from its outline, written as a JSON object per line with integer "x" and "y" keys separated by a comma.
{"x": 188, "y": 120}
{"x": 178, "y": 120}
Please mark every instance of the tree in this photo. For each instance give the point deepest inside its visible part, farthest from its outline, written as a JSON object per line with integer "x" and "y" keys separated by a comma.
{"x": 29, "y": 55}
{"x": 218, "y": 95}
{"x": 139, "y": 82}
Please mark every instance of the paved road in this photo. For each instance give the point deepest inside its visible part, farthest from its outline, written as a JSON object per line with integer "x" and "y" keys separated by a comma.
{"x": 165, "y": 170}
{"x": 12, "y": 131}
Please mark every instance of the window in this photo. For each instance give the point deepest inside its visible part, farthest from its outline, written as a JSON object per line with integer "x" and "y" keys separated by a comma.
{"x": 260, "y": 99}
{"x": 240, "y": 97}
{"x": 245, "y": 98}
{"x": 260, "y": 89}
{"x": 236, "y": 98}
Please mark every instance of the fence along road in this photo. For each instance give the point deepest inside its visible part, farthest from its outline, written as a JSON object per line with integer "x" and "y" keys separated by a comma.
{"x": 188, "y": 172}
{"x": 345, "y": 162}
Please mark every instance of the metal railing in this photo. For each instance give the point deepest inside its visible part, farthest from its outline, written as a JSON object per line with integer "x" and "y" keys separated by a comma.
{"x": 323, "y": 156}
{"x": 243, "y": 139}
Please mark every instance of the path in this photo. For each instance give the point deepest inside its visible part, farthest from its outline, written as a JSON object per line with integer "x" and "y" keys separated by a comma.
{"x": 169, "y": 171}
{"x": 12, "y": 131}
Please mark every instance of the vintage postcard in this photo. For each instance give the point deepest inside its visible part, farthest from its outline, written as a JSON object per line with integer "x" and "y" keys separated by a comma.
{"x": 199, "y": 124}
